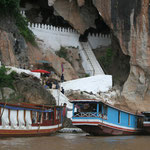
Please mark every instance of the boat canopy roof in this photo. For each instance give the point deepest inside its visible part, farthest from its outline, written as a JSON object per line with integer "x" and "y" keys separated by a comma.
{"x": 26, "y": 106}
{"x": 84, "y": 100}
{"x": 146, "y": 112}
{"x": 98, "y": 101}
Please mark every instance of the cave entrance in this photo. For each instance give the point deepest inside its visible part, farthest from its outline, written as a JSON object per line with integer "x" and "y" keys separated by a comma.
{"x": 100, "y": 27}
{"x": 110, "y": 57}
{"x": 38, "y": 11}
{"x": 113, "y": 61}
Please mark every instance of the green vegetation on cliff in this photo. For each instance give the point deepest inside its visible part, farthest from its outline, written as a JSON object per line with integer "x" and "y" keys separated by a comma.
{"x": 11, "y": 8}
{"x": 6, "y": 80}
{"x": 106, "y": 60}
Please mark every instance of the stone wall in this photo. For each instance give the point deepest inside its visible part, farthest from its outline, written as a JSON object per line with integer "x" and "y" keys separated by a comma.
{"x": 57, "y": 36}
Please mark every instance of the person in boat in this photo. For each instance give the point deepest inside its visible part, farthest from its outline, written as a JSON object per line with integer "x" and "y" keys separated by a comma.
{"x": 49, "y": 84}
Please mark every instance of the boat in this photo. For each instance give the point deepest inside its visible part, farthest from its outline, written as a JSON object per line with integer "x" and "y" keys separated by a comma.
{"x": 23, "y": 119}
{"x": 146, "y": 122}
{"x": 98, "y": 118}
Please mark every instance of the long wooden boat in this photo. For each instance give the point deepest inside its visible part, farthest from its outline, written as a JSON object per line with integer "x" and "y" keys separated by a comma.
{"x": 24, "y": 119}
{"x": 98, "y": 118}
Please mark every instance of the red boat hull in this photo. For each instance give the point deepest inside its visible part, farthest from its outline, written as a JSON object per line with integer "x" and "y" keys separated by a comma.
{"x": 102, "y": 130}
{"x": 98, "y": 128}
{"x": 28, "y": 133}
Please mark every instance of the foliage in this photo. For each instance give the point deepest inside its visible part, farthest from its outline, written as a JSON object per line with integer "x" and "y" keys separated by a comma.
{"x": 6, "y": 80}
{"x": 22, "y": 25}
{"x": 62, "y": 53}
{"x": 107, "y": 59}
{"x": 87, "y": 75}
{"x": 11, "y": 7}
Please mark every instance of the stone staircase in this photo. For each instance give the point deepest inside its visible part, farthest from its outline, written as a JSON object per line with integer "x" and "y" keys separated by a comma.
{"x": 97, "y": 69}
{"x": 61, "y": 99}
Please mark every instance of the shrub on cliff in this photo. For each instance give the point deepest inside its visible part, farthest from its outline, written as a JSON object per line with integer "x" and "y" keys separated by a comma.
{"x": 24, "y": 30}
{"x": 11, "y": 8}
{"x": 6, "y": 80}
{"x": 106, "y": 60}
{"x": 63, "y": 53}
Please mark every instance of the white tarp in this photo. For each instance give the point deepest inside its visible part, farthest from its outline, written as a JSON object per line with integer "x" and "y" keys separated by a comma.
{"x": 13, "y": 119}
{"x": 28, "y": 119}
{"x": 5, "y": 119}
{"x": 21, "y": 118}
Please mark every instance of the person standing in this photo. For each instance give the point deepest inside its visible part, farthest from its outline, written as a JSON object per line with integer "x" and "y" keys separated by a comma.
{"x": 62, "y": 77}
{"x": 62, "y": 90}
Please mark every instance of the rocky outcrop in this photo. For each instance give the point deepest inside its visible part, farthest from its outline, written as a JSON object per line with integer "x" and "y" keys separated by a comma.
{"x": 26, "y": 89}
{"x": 6, "y": 93}
{"x": 30, "y": 90}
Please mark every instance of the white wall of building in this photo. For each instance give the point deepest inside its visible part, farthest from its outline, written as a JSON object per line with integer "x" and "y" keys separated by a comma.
{"x": 56, "y": 37}
{"x": 99, "y": 40}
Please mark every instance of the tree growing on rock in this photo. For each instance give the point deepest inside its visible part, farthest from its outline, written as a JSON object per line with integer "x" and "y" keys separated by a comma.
{"x": 6, "y": 79}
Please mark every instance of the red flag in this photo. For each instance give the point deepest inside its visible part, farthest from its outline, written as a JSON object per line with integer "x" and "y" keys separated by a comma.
{"x": 62, "y": 67}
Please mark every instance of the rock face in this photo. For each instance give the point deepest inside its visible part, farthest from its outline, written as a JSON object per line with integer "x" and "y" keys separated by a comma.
{"x": 32, "y": 91}
{"x": 80, "y": 18}
{"x": 129, "y": 21}
{"x": 6, "y": 92}
{"x": 26, "y": 89}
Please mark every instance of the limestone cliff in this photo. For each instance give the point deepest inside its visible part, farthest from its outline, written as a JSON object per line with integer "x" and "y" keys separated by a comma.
{"x": 129, "y": 22}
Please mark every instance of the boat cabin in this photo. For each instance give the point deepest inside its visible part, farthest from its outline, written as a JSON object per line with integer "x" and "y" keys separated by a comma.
{"x": 146, "y": 122}
{"x": 96, "y": 113}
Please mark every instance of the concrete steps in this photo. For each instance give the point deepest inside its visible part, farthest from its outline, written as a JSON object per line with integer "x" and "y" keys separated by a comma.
{"x": 93, "y": 61}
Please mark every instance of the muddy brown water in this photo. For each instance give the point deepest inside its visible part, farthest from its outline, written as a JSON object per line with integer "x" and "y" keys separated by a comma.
{"x": 69, "y": 141}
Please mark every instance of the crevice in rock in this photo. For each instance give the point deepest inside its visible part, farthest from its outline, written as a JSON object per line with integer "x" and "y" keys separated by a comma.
{"x": 99, "y": 25}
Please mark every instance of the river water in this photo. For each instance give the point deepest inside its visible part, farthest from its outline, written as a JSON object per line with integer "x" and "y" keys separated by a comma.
{"x": 69, "y": 141}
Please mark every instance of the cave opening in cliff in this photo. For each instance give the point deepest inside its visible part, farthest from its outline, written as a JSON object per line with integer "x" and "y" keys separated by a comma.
{"x": 38, "y": 11}
{"x": 98, "y": 27}
{"x": 110, "y": 57}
